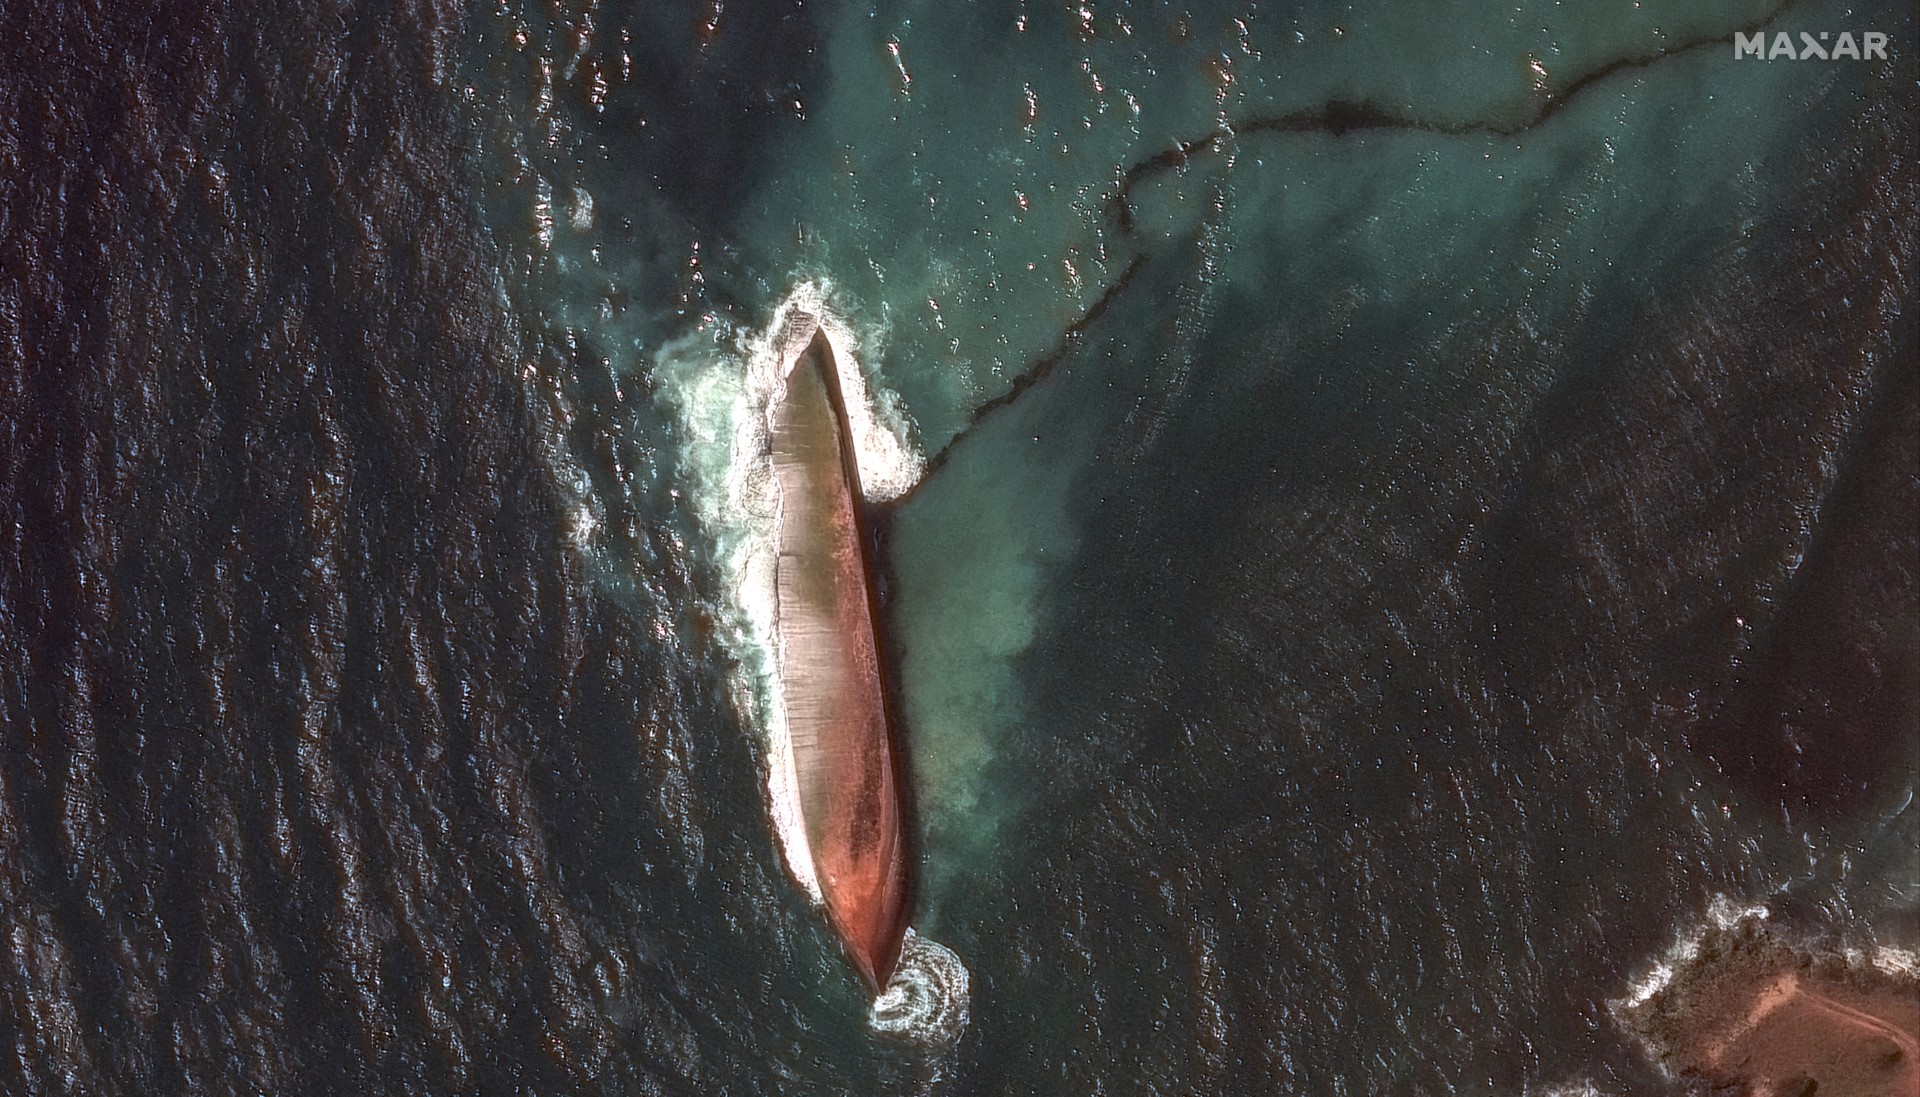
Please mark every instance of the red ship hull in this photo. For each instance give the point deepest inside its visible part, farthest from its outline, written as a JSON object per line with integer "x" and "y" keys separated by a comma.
{"x": 831, "y": 670}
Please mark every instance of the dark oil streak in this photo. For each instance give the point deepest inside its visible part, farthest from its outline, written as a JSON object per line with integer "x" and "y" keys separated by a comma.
{"x": 1337, "y": 118}
{"x": 1068, "y": 343}
{"x": 1340, "y": 117}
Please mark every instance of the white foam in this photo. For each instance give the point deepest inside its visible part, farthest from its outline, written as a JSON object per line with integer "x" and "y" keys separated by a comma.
{"x": 927, "y": 1000}
{"x": 888, "y": 462}
{"x": 1893, "y": 960}
{"x": 1723, "y": 913}
{"x": 583, "y": 514}
{"x": 721, "y": 386}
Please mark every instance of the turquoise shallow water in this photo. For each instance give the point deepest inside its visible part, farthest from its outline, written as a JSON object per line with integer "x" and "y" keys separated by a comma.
{"x": 1352, "y": 434}
{"x": 1389, "y": 520}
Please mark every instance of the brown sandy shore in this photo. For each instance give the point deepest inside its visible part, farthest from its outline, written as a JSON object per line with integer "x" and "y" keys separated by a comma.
{"x": 1752, "y": 1013}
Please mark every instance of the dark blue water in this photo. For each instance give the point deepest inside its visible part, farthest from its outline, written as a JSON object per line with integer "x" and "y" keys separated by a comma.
{"x": 1398, "y": 514}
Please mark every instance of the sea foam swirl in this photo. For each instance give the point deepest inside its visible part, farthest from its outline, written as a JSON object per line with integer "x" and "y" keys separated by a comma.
{"x": 925, "y": 1003}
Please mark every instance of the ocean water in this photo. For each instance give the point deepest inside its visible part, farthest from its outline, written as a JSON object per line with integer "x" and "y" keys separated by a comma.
{"x": 1392, "y": 518}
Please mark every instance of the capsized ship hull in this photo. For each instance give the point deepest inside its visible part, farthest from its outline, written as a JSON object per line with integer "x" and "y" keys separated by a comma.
{"x": 830, "y": 669}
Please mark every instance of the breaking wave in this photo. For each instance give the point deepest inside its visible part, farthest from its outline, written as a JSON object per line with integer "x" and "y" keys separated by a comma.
{"x": 926, "y": 1001}
{"x": 1723, "y": 913}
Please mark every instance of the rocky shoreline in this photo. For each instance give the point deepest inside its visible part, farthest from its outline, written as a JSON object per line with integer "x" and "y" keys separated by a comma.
{"x": 1749, "y": 1011}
